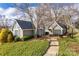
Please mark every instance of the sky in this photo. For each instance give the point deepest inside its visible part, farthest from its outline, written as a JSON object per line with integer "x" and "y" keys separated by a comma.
{"x": 7, "y": 5}
{"x": 10, "y": 10}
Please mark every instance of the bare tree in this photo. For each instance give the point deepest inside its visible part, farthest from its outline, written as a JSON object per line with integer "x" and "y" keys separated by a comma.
{"x": 69, "y": 13}
{"x": 4, "y": 22}
{"x": 44, "y": 16}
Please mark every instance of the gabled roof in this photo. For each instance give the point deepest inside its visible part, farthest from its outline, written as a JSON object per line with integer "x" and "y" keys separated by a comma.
{"x": 25, "y": 24}
{"x": 60, "y": 24}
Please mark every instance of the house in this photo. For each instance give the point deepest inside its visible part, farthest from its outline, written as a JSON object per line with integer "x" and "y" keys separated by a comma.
{"x": 25, "y": 28}
{"x": 57, "y": 29}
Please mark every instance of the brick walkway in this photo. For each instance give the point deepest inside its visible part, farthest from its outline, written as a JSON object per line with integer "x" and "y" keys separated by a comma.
{"x": 54, "y": 47}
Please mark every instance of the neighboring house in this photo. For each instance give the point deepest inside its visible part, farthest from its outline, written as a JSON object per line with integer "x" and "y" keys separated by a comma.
{"x": 26, "y": 28}
{"x": 57, "y": 29}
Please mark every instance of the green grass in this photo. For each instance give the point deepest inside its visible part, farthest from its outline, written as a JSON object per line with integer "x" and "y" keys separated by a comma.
{"x": 64, "y": 49}
{"x": 26, "y": 48}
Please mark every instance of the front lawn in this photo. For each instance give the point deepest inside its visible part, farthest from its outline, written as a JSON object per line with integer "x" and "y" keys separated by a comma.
{"x": 69, "y": 46}
{"x": 25, "y": 48}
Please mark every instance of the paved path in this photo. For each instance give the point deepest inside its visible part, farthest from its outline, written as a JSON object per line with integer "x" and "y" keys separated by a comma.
{"x": 54, "y": 47}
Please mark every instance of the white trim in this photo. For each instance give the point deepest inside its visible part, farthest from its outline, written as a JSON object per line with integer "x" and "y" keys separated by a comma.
{"x": 60, "y": 26}
{"x": 51, "y": 27}
{"x": 31, "y": 29}
{"x": 40, "y": 28}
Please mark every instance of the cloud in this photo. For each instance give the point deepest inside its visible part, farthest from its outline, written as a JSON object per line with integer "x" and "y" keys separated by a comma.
{"x": 75, "y": 6}
{"x": 1, "y": 11}
{"x": 12, "y": 13}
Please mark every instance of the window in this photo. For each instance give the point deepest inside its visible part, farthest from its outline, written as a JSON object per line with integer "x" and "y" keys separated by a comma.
{"x": 16, "y": 32}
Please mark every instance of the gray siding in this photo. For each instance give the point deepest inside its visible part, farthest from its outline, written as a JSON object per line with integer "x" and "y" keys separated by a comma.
{"x": 64, "y": 31}
{"x": 28, "y": 32}
{"x": 40, "y": 32}
{"x": 57, "y": 32}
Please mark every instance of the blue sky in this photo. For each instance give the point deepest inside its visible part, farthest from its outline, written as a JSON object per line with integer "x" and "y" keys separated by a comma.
{"x": 7, "y": 5}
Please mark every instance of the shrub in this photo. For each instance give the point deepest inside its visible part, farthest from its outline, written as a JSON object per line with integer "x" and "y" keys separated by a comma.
{"x": 27, "y": 37}
{"x": 17, "y": 38}
{"x": 3, "y": 35}
{"x": 10, "y": 37}
{"x": 6, "y": 35}
{"x": 0, "y": 30}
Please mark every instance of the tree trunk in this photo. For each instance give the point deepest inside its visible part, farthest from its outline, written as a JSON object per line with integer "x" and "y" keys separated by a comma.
{"x": 72, "y": 33}
{"x": 35, "y": 35}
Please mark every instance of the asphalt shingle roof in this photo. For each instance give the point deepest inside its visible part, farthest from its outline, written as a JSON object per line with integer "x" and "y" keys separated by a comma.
{"x": 25, "y": 24}
{"x": 62, "y": 25}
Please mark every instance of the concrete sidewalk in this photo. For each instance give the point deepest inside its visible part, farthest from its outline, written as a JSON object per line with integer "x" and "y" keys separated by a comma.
{"x": 54, "y": 47}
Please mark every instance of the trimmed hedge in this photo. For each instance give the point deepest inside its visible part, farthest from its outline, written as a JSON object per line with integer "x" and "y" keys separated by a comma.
{"x": 27, "y": 38}
{"x": 17, "y": 38}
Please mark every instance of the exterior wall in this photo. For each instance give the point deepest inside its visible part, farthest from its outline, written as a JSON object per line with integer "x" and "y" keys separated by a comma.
{"x": 51, "y": 33}
{"x": 40, "y": 32}
{"x": 18, "y": 30}
{"x": 28, "y": 32}
{"x": 57, "y": 30}
{"x": 64, "y": 31}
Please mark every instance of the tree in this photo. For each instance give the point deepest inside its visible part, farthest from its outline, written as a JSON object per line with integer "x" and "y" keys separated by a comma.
{"x": 64, "y": 16}
{"x": 69, "y": 13}
{"x": 44, "y": 15}
{"x": 3, "y": 22}
{"x": 77, "y": 24}
{"x": 10, "y": 37}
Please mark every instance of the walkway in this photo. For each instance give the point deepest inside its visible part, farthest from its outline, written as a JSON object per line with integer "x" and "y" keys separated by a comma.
{"x": 54, "y": 47}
